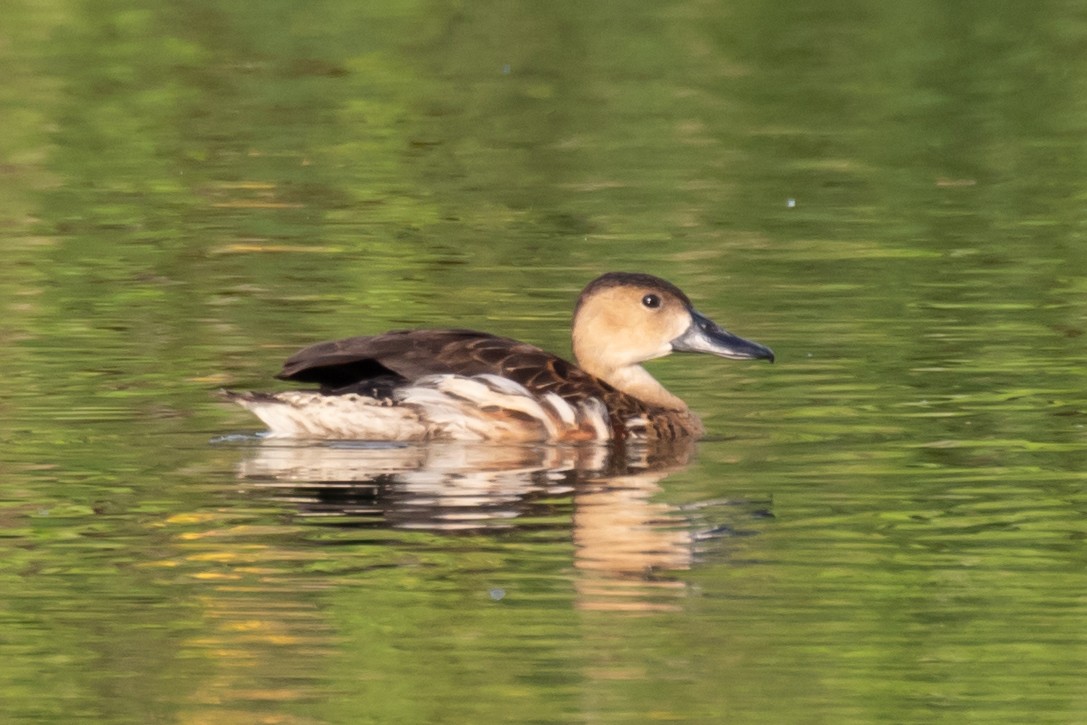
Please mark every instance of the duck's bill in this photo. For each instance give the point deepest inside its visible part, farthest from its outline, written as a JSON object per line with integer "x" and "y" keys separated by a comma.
{"x": 705, "y": 336}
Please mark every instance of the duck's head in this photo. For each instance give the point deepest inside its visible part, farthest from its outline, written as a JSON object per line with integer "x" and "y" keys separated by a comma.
{"x": 623, "y": 319}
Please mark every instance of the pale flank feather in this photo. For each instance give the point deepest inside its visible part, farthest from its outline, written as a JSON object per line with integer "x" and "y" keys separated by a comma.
{"x": 435, "y": 407}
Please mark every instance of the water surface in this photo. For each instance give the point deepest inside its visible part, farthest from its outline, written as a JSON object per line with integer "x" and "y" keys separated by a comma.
{"x": 887, "y": 525}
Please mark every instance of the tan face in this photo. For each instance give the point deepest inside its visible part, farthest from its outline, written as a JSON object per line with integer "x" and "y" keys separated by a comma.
{"x": 624, "y": 325}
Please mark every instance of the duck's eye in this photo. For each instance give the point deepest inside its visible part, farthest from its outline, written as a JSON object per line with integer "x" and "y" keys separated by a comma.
{"x": 651, "y": 301}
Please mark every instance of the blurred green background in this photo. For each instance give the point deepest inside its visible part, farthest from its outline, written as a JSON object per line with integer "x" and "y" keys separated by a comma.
{"x": 891, "y": 196}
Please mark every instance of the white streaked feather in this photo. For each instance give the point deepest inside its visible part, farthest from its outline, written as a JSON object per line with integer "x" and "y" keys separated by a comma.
{"x": 445, "y": 415}
{"x": 563, "y": 410}
{"x": 596, "y": 413}
{"x": 483, "y": 391}
{"x": 435, "y": 407}
{"x": 502, "y": 385}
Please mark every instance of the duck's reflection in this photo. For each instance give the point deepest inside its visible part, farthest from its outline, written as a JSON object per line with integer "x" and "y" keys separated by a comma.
{"x": 626, "y": 541}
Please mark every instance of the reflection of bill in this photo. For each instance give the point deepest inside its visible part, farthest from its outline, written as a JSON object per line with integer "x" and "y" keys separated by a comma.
{"x": 625, "y": 541}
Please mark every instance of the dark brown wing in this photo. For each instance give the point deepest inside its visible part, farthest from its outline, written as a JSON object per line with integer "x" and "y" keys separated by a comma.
{"x": 406, "y": 354}
{"x": 411, "y": 354}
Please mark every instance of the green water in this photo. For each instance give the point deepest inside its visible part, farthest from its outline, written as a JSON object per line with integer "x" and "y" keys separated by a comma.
{"x": 885, "y": 526}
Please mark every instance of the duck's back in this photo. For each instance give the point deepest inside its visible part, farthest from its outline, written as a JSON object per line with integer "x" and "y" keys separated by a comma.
{"x": 405, "y": 356}
{"x": 423, "y": 384}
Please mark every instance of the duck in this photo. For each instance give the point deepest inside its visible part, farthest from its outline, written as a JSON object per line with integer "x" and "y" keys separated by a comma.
{"x": 463, "y": 385}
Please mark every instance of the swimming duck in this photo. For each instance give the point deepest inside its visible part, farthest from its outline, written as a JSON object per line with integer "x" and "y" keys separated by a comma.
{"x": 418, "y": 385}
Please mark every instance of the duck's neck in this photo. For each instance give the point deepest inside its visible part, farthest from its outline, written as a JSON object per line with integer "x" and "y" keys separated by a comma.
{"x": 634, "y": 380}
